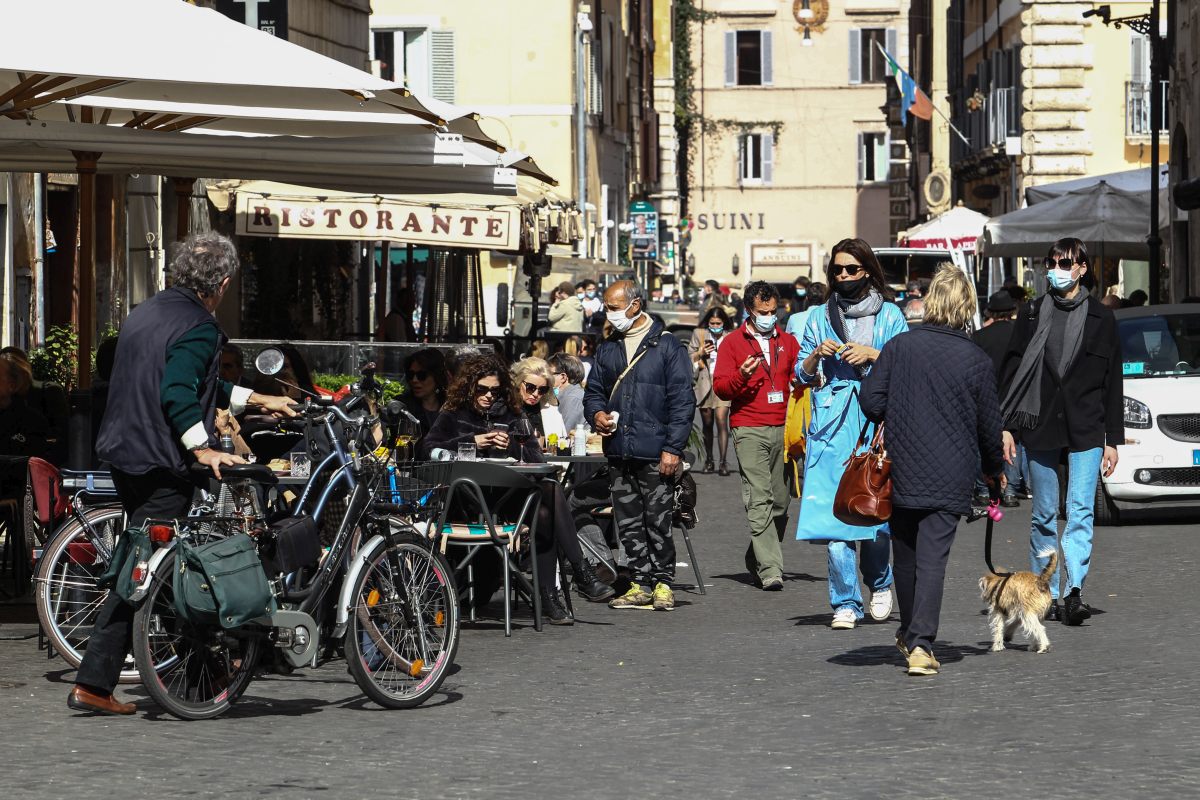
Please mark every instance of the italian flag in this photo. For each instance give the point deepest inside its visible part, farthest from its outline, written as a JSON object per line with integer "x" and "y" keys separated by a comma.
{"x": 912, "y": 99}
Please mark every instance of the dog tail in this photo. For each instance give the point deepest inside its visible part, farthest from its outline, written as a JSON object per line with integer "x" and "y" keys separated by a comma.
{"x": 1051, "y": 565}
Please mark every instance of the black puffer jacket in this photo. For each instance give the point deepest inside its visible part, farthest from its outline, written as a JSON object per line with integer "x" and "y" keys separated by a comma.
{"x": 655, "y": 400}
{"x": 936, "y": 390}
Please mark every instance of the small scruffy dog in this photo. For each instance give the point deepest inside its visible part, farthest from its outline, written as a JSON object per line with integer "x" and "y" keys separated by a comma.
{"x": 1020, "y": 598}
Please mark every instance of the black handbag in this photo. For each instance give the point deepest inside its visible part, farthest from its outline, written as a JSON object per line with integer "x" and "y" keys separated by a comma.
{"x": 289, "y": 544}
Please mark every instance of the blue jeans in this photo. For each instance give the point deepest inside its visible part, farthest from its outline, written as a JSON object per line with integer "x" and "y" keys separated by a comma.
{"x": 1083, "y": 470}
{"x": 1011, "y": 471}
{"x": 844, "y": 566}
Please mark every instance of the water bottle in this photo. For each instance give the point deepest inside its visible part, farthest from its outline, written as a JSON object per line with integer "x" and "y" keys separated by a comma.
{"x": 227, "y": 443}
{"x": 579, "y": 442}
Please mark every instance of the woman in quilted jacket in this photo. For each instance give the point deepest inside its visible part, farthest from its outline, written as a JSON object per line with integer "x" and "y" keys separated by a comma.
{"x": 936, "y": 391}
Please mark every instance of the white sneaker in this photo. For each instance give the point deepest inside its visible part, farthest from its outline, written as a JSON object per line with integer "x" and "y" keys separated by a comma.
{"x": 881, "y": 604}
{"x": 844, "y": 619}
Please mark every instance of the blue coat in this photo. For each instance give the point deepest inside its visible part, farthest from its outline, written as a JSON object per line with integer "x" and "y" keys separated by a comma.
{"x": 837, "y": 420}
{"x": 655, "y": 400}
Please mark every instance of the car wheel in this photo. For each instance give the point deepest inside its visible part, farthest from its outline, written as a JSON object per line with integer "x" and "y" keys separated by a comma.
{"x": 1105, "y": 512}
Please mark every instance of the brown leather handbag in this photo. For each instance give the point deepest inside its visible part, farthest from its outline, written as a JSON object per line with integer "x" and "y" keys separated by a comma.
{"x": 864, "y": 494}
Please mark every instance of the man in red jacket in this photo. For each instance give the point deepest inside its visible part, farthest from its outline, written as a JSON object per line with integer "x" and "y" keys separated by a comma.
{"x": 755, "y": 365}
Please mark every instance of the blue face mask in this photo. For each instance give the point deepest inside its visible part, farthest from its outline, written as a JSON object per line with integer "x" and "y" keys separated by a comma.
{"x": 716, "y": 330}
{"x": 765, "y": 324}
{"x": 556, "y": 391}
{"x": 801, "y": 292}
{"x": 1061, "y": 279}
{"x": 590, "y": 294}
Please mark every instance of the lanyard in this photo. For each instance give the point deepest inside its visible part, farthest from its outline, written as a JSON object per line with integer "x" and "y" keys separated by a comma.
{"x": 770, "y": 359}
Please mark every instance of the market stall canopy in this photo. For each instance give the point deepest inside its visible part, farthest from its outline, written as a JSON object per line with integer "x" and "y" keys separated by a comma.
{"x": 1133, "y": 180}
{"x": 483, "y": 221}
{"x": 1111, "y": 222}
{"x": 429, "y": 162}
{"x": 132, "y": 53}
{"x": 957, "y": 229}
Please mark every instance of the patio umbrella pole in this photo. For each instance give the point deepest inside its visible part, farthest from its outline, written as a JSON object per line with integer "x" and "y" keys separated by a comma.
{"x": 85, "y": 309}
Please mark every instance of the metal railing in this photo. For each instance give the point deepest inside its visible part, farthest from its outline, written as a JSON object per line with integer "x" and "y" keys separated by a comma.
{"x": 998, "y": 119}
{"x": 1137, "y": 108}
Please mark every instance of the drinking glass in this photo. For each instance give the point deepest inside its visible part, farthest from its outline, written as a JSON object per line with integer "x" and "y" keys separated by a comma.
{"x": 300, "y": 465}
{"x": 522, "y": 431}
{"x": 466, "y": 451}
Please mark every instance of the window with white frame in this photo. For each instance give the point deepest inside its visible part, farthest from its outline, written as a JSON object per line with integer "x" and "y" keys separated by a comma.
{"x": 756, "y": 159}
{"x": 422, "y": 59}
{"x": 748, "y": 58}
{"x": 872, "y": 157}
{"x": 867, "y": 64}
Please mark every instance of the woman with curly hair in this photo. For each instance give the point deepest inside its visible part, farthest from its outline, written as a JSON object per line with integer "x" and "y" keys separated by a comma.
{"x": 481, "y": 397}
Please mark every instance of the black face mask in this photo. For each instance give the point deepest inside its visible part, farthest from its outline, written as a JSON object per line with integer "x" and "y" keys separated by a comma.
{"x": 852, "y": 289}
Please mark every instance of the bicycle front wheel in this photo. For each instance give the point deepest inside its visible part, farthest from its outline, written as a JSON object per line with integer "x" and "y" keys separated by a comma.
{"x": 65, "y": 589}
{"x": 191, "y": 671}
{"x": 403, "y": 630}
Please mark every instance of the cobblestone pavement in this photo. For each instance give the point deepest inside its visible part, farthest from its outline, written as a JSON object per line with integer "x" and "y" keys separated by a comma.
{"x": 738, "y": 693}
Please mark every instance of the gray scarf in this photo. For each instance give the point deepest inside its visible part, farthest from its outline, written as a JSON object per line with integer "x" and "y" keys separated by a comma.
{"x": 1022, "y": 406}
{"x": 863, "y": 312}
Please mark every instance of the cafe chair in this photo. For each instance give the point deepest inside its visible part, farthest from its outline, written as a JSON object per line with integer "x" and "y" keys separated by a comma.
{"x": 475, "y": 526}
{"x": 45, "y": 501}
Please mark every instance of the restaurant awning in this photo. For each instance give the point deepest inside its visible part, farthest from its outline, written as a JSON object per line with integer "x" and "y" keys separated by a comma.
{"x": 957, "y": 229}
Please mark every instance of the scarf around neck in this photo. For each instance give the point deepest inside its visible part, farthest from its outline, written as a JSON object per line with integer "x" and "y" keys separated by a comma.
{"x": 1022, "y": 406}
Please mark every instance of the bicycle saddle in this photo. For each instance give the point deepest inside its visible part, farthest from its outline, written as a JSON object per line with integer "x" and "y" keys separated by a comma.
{"x": 259, "y": 473}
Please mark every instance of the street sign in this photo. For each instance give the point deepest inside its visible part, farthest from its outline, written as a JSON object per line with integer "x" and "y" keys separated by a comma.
{"x": 644, "y": 237}
{"x": 268, "y": 16}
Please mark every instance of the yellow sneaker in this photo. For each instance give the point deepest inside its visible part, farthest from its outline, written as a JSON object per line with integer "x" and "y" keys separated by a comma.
{"x": 636, "y": 597}
{"x": 664, "y": 598}
{"x": 922, "y": 662}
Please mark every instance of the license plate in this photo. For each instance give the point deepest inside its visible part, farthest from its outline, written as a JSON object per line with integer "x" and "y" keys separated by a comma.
{"x": 1196, "y": 458}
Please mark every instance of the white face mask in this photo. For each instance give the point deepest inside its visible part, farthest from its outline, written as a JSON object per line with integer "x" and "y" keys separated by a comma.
{"x": 618, "y": 319}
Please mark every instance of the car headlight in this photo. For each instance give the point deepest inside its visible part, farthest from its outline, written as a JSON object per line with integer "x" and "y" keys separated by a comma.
{"x": 1137, "y": 414}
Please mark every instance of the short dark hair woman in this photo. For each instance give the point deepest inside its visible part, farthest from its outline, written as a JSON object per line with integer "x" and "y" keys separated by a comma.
{"x": 427, "y": 379}
{"x": 936, "y": 390}
{"x": 714, "y": 324}
{"x": 1062, "y": 389}
{"x": 481, "y": 397}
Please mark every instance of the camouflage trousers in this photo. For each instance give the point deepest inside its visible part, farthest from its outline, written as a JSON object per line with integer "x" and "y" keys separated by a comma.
{"x": 643, "y": 502}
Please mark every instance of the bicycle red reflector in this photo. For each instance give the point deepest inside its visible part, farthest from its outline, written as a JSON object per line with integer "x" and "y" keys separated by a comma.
{"x": 161, "y": 534}
{"x": 138, "y": 573}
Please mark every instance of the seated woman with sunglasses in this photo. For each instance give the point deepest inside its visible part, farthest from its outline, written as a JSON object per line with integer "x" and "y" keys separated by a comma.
{"x": 425, "y": 373}
{"x": 481, "y": 397}
{"x": 534, "y": 379}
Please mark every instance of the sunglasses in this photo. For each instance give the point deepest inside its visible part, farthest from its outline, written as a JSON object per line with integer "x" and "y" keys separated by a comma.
{"x": 417, "y": 375}
{"x": 1061, "y": 263}
{"x": 529, "y": 387}
{"x": 481, "y": 390}
{"x": 849, "y": 269}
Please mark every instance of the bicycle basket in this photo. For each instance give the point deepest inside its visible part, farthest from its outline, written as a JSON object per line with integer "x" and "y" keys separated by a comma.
{"x": 421, "y": 487}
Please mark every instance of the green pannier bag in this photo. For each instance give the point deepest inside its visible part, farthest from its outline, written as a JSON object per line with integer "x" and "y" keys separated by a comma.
{"x": 133, "y": 546}
{"x": 221, "y": 583}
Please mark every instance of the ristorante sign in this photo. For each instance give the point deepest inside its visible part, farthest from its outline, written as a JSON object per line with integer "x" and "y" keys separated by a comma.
{"x": 372, "y": 219}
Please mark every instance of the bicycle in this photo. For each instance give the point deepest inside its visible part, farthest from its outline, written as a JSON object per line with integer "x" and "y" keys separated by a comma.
{"x": 396, "y": 611}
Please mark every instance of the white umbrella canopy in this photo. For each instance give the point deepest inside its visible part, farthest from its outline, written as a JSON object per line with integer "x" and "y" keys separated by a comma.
{"x": 1111, "y": 222}
{"x": 957, "y": 229}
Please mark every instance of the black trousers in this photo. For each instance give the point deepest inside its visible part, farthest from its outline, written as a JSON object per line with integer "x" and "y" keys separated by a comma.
{"x": 159, "y": 494}
{"x": 921, "y": 541}
{"x": 555, "y": 533}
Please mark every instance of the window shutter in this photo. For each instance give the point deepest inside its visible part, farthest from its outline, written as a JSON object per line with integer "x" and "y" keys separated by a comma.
{"x": 768, "y": 72}
{"x": 768, "y": 157}
{"x": 862, "y": 159}
{"x": 595, "y": 81}
{"x": 442, "y": 58}
{"x": 1139, "y": 60}
{"x": 890, "y": 39}
{"x": 730, "y": 58}
{"x": 883, "y": 157}
{"x": 855, "y": 56}
{"x": 741, "y": 159}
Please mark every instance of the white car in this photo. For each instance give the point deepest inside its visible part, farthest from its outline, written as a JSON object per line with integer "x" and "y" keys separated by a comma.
{"x": 1160, "y": 464}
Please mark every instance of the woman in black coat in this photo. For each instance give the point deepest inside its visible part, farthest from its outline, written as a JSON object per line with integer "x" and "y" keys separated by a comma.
{"x": 936, "y": 391}
{"x": 481, "y": 397}
{"x": 1063, "y": 392}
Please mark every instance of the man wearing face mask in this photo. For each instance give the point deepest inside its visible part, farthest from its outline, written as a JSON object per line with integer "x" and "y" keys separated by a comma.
{"x": 593, "y": 306}
{"x": 639, "y": 398}
{"x": 754, "y": 372}
{"x": 1062, "y": 393}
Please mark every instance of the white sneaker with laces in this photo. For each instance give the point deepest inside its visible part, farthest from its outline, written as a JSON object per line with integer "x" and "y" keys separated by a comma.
{"x": 844, "y": 619}
{"x": 881, "y": 604}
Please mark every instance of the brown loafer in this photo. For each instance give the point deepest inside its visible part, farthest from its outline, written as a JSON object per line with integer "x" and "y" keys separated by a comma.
{"x": 81, "y": 699}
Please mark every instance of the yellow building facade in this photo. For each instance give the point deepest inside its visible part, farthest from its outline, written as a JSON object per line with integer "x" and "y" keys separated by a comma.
{"x": 794, "y": 151}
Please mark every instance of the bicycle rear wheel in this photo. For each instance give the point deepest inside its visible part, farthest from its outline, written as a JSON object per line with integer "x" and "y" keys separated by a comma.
{"x": 403, "y": 630}
{"x": 191, "y": 671}
{"x": 65, "y": 590}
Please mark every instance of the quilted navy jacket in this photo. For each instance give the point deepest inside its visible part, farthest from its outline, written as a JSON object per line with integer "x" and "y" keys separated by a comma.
{"x": 936, "y": 390}
{"x": 655, "y": 399}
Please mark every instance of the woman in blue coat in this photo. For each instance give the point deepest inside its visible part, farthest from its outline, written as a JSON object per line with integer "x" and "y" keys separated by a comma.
{"x": 841, "y": 341}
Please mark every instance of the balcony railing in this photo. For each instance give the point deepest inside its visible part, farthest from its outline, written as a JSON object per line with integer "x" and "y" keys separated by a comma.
{"x": 997, "y": 120}
{"x": 1137, "y": 108}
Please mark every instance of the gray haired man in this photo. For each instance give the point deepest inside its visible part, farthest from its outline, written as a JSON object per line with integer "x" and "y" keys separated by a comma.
{"x": 162, "y": 404}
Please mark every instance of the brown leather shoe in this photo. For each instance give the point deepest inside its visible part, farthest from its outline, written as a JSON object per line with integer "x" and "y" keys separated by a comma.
{"x": 81, "y": 699}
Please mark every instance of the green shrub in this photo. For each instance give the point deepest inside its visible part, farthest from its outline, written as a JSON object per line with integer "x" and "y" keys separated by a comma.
{"x": 58, "y": 359}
